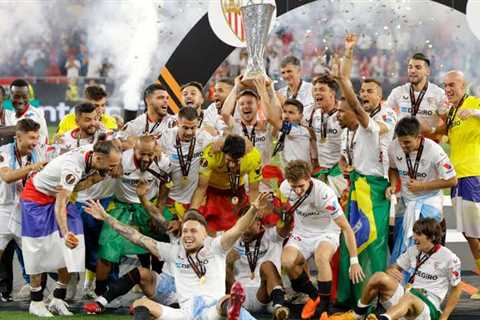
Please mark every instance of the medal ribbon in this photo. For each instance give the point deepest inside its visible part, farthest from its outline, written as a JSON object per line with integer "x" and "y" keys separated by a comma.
{"x": 374, "y": 112}
{"x": 161, "y": 175}
{"x": 300, "y": 200}
{"x": 185, "y": 165}
{"x": 147, "y": 125}
{"x": 250, "y": 137}
{"x": 453, "y": 112}
{"x": 234, "y": 181}
{"x": 18, "y": 157}
{"x": 421, "y": 260}
{"x": 412, "y": 171}
{"x": 350, "y": 146}
{"x": 324, "y": 123}
{"x": 198, "y": 267}
{"x": 416, "y": 102}
{"x": 286, "y": 127}
{"x": 252, "y": 257}
{"x": 295, "y": 94}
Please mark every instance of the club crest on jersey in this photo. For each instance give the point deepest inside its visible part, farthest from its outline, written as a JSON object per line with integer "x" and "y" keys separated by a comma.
{"x": 233, "y": 16}
{"x": 70, "y": 179}
{"x": 204, "y": 162}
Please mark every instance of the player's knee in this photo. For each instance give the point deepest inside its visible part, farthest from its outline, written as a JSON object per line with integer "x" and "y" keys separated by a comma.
{"x": 289, "y": 258}
{"x": 322, "y": 261}
{"x": 266, "y": 268}
{"x": 379, "y": 278}
{"x": 145, "y": 273}
{"x": 142, "y": 302}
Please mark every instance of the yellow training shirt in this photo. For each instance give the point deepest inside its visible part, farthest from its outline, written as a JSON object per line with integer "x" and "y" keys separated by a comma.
{"x": 464, "y": 137}
{"x": 213, "y": 166}
{"x": 68, "y": 123}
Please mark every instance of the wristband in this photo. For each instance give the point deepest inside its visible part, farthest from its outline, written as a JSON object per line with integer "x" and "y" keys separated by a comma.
{"x": 353, "y": 260}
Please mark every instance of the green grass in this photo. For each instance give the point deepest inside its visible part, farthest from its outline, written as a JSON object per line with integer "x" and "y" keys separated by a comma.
{"x": 19, "y": 315}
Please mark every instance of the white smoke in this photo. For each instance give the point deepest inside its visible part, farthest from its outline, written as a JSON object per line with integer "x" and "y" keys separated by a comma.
{"x": 21, "y": 23}
{"x": 127, "y": 34}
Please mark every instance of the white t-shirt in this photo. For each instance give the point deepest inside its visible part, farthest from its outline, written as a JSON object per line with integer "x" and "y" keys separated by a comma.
{"x": 263, "y": 137}
{"x": 317, "y": 212}
{"x": 179, "y": 192}
{"x": 213, "y": 119}
{"x": 366, "y": 149}
{"x": 433, "y": 103}
{"x": 188, "y": 285}
{"x": 440, "y": 271}
{"x": 434, "y": 164}
{"x": 36, "y": 114}
{"x": 10, "y": 192}
{"x": 304, "y": 96}
{"x": 270, "y": 250}
{"x": 66, "y": 171}
{"x": 328, "y": 151}
{"x": 387, "y": 117}
{"x": 125, "y": 187}
{"x": 141, "y": 125}
{"x": 297, "y": 145}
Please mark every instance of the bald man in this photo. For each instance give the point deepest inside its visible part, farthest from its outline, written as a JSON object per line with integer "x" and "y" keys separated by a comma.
{"x": 142, "y": 163}
{"x": 463, "y": 130}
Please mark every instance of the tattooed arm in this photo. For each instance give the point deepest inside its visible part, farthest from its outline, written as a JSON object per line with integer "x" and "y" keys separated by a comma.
{"x": 95, "y": 209}
{"x": 153, "y": 211}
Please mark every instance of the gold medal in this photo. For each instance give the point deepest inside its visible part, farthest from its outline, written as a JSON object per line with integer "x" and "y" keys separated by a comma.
{"x": 234, "y": 201}
{"x": 203, "y": 279}
{"x": 184, "y": 182}
{"x": 408, "y": 287}
{"x": 323, "y": 140}
{"x": 252, "y": 275}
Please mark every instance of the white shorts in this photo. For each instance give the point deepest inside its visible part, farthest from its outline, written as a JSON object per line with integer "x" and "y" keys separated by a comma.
{"x": 307, "y": 246}
{"x": 252, "y": 304}
{"x": 400, "y": 292}
{"x": 6, "y": 238}
{"x": 165, "y": 290}
{"x": 169, "y": 313}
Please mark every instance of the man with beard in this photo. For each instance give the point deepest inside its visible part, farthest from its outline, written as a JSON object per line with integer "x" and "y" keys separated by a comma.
{"x": 420, "y": 98}
{"x": 183, "y": 145}
{"x": 153, "y": 122}
{"x": 97, "y": 96}
{"x": 368, "y": 209}
{"x": 17, "y": 161}
{"x": 86, "y": 119}
{"x": 222, "y": 179}
{"x": 200, "y": 267}
{"x": 140, "y": 163}
{"x": 296, "y": 88}
{"x": 255, "y": 263}
{"x": 248, "y": 101}
{"x": 192, "y": 96}
{"x": 462, "y": 127}
{"x": 222, "y": 89}
{"x": 20, "y": 94}
{"x": 52, "y": 233}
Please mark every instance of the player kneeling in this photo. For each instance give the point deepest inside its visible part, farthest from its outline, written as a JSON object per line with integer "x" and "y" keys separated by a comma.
{"x": 433, "y": 269}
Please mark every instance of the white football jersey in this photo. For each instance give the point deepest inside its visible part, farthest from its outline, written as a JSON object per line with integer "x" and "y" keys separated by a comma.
{"x": 125, "y": 187}
{"x": 297, "y": 145}
{"x": 434, "y": 164}
{"x": 183, "y": 191}
{"x": 328, "y": 151}
{"x": 65, "y": 171}
{"x": 270, "y": 249}
{"x": 10, "y": 192}
{"x": 434, "y": 103}
{"x": 317, "y": 212}
{"x": 436, "y": 275}
{"x": 304, "y": 96}
{"x": 263, "y": 137}
{"x": 211, "y": 256}
{"x": 36, "y": 114}
{"x": 141, "y": 125}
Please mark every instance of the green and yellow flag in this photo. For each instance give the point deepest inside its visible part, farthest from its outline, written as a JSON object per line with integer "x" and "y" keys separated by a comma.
{"x": 368, "y": 213}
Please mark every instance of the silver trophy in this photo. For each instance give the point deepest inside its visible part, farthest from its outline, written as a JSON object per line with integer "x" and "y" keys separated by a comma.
{"x": 257, "y": 18}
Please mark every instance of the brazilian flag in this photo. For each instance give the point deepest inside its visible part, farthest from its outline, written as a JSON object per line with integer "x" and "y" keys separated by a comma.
{"x": 368, "y": 214}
